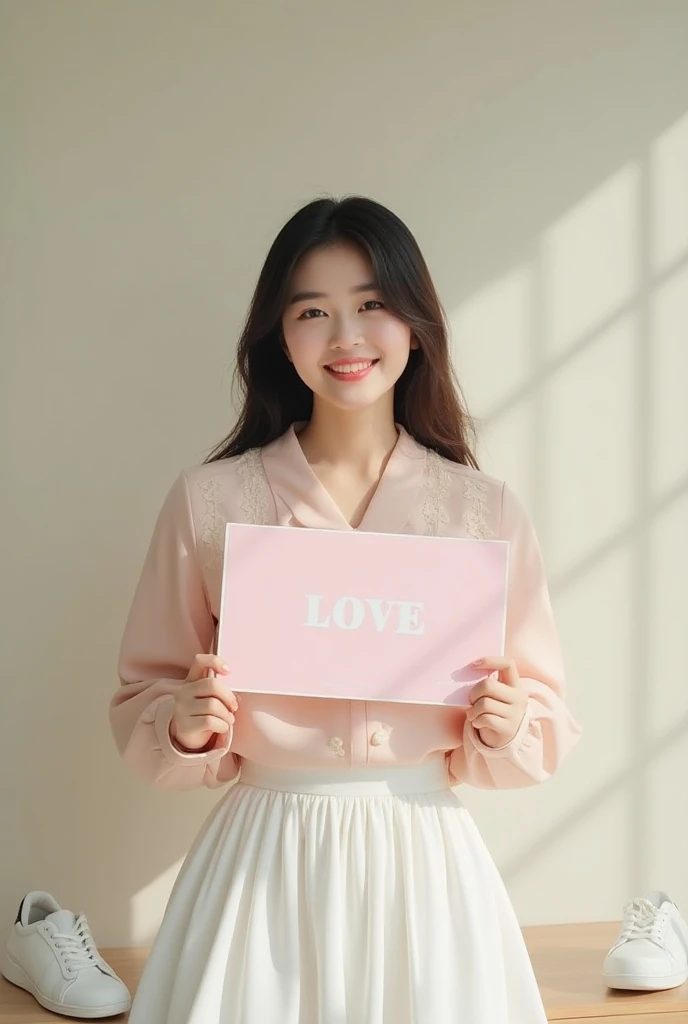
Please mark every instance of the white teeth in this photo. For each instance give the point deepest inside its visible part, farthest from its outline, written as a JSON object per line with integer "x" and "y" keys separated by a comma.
{"x": 351, "y": 367}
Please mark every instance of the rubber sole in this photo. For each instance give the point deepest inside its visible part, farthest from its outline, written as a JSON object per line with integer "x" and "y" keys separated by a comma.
{"x": 13, "y": 972}
{"x": 630, "y": 983}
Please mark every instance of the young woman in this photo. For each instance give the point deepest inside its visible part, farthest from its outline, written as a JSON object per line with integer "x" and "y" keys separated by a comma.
{"x": 340, "y": 880}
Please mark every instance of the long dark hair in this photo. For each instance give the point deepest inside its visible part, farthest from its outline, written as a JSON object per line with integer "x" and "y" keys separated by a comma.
{"x": 427, "y": 399}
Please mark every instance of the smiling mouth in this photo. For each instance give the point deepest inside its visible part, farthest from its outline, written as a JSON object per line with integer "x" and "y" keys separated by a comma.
{"x": 352, "y": 370}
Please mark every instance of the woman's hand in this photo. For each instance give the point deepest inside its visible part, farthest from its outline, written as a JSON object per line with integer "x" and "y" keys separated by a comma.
{"x": 498, "y": 703}
{"x": 203, "y": 705}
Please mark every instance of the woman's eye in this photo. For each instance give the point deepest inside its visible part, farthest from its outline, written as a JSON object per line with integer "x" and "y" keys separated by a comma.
{"x": 372, "y": 304}
{"x": 311, "y": 314}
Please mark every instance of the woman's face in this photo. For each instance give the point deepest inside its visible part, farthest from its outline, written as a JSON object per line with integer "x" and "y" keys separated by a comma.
{"x": 345, "y": 346}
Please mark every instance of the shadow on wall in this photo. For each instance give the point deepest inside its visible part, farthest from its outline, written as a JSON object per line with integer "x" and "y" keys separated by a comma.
{"x": 611, "y": 499}
{"x": 590, "y": 409}
{"x": 537, "y": 154}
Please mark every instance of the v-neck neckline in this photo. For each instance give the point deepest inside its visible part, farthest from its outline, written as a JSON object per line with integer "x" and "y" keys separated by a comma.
{"x": 293, "y": 479}
{"x": 328, "y": 497}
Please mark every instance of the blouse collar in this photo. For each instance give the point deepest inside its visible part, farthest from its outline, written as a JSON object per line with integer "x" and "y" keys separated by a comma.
{"x": 295, "y": 484}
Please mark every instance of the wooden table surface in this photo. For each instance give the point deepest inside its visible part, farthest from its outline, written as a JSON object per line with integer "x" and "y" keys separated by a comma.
{"x": 567, "y": 961}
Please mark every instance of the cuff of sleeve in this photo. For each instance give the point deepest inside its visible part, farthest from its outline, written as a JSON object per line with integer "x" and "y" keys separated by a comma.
{"x": 163, "y": 718}
{"x": 509, "y": 749}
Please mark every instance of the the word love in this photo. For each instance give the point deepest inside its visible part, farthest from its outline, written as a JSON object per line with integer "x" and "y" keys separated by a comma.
{"x": 351, "y": 613}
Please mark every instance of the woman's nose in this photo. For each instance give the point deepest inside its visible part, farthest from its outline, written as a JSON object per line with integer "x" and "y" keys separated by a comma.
{"x": 345, "y": 335}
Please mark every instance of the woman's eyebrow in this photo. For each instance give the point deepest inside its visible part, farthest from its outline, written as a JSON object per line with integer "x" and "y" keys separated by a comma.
{"x": 370, "y": 286}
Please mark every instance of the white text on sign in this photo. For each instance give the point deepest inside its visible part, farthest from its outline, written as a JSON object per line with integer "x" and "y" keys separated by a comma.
{"x": 349, "y": 613}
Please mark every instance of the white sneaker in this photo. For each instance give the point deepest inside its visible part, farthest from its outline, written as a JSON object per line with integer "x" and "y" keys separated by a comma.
{"x": 651, "y": 953}
{"x": 52, "y": 955}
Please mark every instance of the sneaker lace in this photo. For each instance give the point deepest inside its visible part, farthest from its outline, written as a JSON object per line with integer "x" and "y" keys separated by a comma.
{"x": 642, "y": 920}
{"x": 78, "y": 950}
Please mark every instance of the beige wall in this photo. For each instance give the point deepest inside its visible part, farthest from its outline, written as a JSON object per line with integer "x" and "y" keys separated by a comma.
{"x": 540, "y": 153}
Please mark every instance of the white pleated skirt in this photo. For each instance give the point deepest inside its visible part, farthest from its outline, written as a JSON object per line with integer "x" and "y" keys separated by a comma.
{"x": 344, "y": 896}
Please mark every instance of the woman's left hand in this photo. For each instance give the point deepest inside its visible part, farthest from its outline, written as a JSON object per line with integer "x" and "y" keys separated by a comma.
{"x": 498, "y": 703}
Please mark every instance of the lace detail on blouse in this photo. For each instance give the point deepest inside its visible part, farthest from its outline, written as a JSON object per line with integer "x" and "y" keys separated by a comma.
{"x": 437, "y": 483}
{"x": 255, "y": 505}
{"x": 475, "y": 516}
{"x": 256, "y": 501}
{"x": 212, "y": 523}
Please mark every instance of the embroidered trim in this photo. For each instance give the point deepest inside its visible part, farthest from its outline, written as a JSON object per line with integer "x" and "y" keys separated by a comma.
{"x": 475, "y": 516}
{"x": 212, "y": 523}
{"x": 256, "y": 504}
{"x": 437, "y": 485}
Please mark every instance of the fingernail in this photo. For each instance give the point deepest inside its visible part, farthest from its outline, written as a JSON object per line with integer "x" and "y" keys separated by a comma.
{"x": 478, "y": 661}
{"x": 225, "y": 668}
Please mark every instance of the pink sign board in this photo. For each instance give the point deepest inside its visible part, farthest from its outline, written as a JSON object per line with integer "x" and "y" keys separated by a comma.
{"x": 360, "y": 616}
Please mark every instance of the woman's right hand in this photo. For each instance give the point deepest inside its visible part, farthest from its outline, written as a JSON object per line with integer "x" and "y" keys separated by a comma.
{"x": 203, "y": 705}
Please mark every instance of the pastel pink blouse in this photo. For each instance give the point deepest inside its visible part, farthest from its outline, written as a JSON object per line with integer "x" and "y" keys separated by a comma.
{"x": 176, "y": 606}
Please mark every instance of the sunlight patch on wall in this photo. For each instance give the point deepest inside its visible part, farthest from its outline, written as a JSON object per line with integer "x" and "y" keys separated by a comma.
{"x": 506, "y": 451}
{"x": 591, "y": 259}
{"x": 667, "y": 625}
{"x": 669, "y": 196}
{"x": 589, "y": 458}
{"x": 669, "y": 354}
{"x": 594, "y": 614}
{"x": 600, "y": 842}
{"x": 144, "y": 906}
{"x": 491, "y": 337}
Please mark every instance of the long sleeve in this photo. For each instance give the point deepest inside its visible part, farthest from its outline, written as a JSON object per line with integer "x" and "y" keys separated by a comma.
{"x": 548, "y": 731}
{"x": 169, "y": 623}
